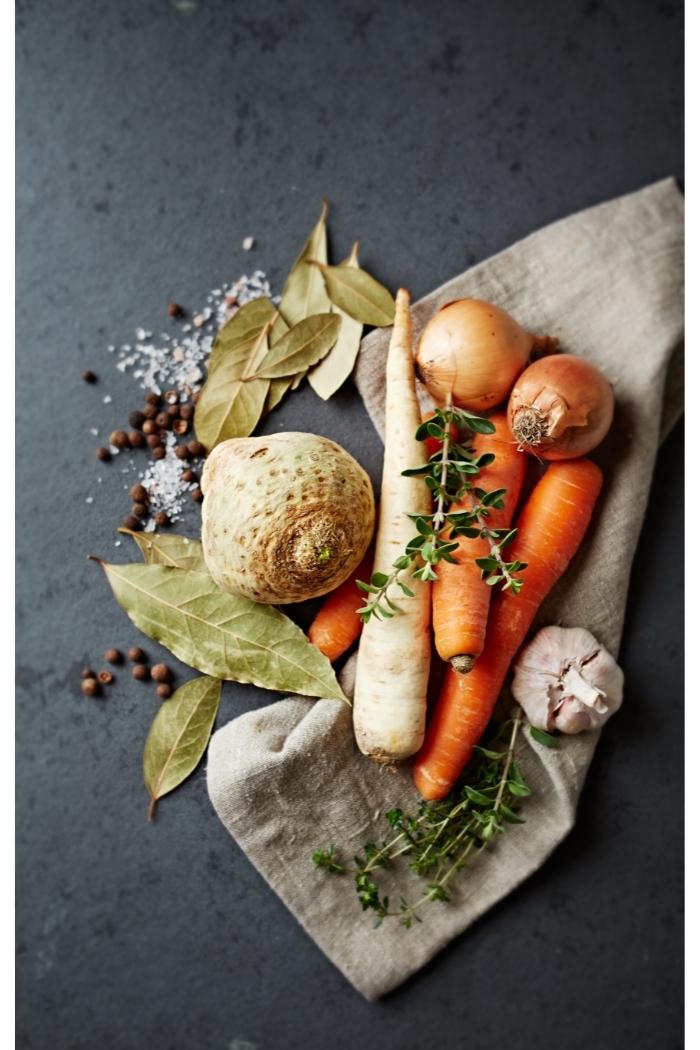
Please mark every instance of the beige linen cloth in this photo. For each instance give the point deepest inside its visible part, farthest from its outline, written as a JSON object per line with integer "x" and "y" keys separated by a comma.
{"x": 287, "y": 779}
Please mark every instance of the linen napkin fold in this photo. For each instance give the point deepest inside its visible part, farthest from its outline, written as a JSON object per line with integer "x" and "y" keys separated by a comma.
{"x": 288, "y": 778}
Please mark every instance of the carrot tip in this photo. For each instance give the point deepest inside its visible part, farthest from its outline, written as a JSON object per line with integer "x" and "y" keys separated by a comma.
{"x": 463, "y": 663}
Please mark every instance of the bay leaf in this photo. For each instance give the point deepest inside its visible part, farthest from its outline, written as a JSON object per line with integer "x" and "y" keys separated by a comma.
{"x": 230, "y": 404}
{"x": 167, "y": 548}
{"x": 221, "y": 634}
{"x": 179, "y": 736}
{"x": 303, "y": 345}
{"x": 304, "y": 292}
{"x": 277, "y": 391}
{"x": 329, "y": 375}
{"x": 358, "y": 293}
{"x": 240, "y": 331}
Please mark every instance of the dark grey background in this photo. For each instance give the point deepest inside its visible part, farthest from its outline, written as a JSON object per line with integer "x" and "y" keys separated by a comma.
{"x": 151, "y": 139}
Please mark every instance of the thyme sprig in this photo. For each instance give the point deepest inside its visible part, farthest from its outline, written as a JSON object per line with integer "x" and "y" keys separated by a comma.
{"x": 449, "y": 474}
{"x": 441, "y": 837}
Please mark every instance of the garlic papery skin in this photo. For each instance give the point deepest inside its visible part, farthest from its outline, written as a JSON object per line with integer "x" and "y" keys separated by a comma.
{"x": 564, "y": 679}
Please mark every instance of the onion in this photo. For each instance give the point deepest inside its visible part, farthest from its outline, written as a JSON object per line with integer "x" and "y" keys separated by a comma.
{"x": 561, "y": 407}
{"x": 474, "y": 351}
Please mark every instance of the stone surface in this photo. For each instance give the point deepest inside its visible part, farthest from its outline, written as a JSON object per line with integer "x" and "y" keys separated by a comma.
{"x": 152, "y": 138}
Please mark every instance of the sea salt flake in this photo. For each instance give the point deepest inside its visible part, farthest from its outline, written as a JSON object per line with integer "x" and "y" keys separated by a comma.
{"x": 248, "y": 243}
{"x": 94, "y": 431}
{"x": 89, "y": 499}
{"x": 107, "y": 399}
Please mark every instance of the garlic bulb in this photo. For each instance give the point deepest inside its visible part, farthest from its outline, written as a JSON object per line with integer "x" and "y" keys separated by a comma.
{"x": 565, "y": 679}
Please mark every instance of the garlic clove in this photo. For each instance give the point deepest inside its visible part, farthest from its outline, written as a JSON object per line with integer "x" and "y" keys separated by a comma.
{"x": 564, "y": 679}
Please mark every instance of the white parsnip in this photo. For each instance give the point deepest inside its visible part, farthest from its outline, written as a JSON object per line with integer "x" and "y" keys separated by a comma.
{"x": 394, "y": 656}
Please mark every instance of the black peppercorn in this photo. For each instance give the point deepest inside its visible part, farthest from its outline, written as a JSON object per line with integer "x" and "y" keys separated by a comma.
{"x": 197, "y": 495}
{"x": 114, "y": 656}
{"x": 161, "y": 673}
{"x": 131, "y": 523}
{"x": 164, "y": 691}
{"x": 104, "y": 454}
{"x": 140, "y": 672}
{"x": 88, "y": 376}
{"x": 182, "y": 452}
{"x": 90, "y": 687}
{"x": 139, "y": 493}
{"x": 136, "y": 655}
{"x": 196, "y": 448}
{"x": 162, "y": 519}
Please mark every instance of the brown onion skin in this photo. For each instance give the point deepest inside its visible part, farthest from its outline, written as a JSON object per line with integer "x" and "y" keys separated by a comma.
{"x": 560, "y": 408}
{"x": 473, "y": 351}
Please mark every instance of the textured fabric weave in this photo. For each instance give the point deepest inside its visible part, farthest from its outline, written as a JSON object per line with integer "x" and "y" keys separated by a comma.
{"x": 287, "y": 778}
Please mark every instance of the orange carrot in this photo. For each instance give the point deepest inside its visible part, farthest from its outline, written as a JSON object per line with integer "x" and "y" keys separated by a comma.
{"x": 336, "y": 625}
{"x": 460, "y": 597}
{"x": 550, "y": 529}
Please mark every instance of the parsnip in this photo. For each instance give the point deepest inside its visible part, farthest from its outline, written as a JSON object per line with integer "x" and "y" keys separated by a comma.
{"x": 394, "y": 656}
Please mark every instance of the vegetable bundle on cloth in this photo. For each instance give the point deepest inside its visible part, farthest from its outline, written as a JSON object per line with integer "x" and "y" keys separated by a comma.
{"x": 288, "y": 778}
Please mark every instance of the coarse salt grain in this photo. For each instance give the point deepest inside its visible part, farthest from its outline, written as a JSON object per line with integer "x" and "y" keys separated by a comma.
{"x": 248, "y": 243}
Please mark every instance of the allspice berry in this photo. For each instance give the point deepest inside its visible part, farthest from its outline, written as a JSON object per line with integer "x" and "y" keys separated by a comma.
{"x": 114, "y": 656}
{"x": 136, "y": 655}
{"x": 197, "y": 495}
{"x": 88, "y": 376}
{"x": 150, "y": 427}
{"x": 186, "y": 411}
{"x": 154, "y": 440}
{"x": 150, "y": 411}
{"x": 139, "y": 493}
{"x": 140, "y": 672}
{"x": 87, "y": 672}
{"x": 196, "y": 448}
{"x": 171, "y": 397}
{"x": 119, "y": 438}
{"x": 162, "y": 519}
{"x": 164, "y": 691}
{"x": 159, "y": 453}
{"x": 189, "y": 476}
{"x": 90, "y": 687}
{"x": 106, "y": 677}
{"x": 136, "y": 438}
{"x": 175, "y": 310}
{"x": 104, "y": 455}
{"x": 163, "y": 420}
{"x": 136, "y": 420}
{"x": 139, "y": 510}
{"x": 152, "y": 398}
{"x": 181, "y": 426}
{"x": 182, "y": 452}
{"x": 161, "y": 673}
{"x": 131, "y": 523}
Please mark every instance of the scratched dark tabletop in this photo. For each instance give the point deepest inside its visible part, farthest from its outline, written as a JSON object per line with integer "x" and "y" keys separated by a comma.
{"x": 152, "y": 137}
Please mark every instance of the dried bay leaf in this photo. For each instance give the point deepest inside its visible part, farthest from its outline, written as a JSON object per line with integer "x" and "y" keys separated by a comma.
{"x": 357, "y": 293}
{"x": 179, "y": 736}
{"x": 277, "y": 391}
{"x": 330, "y": 374}
{"x": 304, "y": 292}
{"x": 303, "y": 345}
{"x": 221, "y": 634}
{"x": 239, "y": 334}
{"x": 167, "y": 548}
{"x": 230, "y": 404}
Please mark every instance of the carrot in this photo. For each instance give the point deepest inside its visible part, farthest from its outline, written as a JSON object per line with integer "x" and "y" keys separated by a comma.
{"x": 550, "y": 529}
{"x": 394, "y": 656}
{"x": 336, "y": 624}
{"x": 460, "y": 597}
